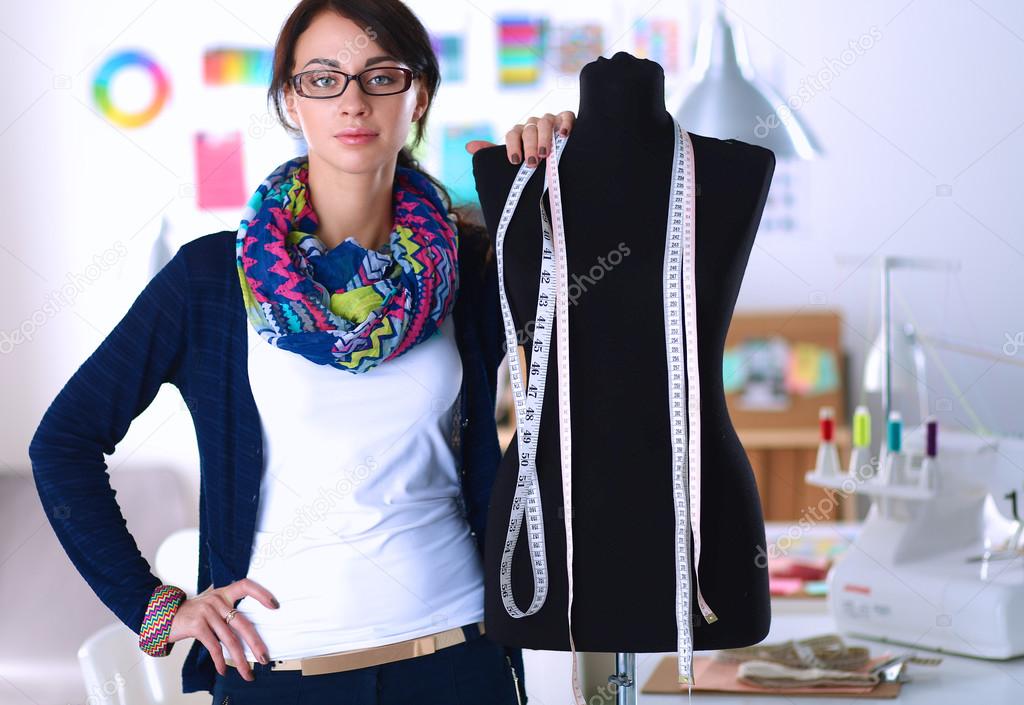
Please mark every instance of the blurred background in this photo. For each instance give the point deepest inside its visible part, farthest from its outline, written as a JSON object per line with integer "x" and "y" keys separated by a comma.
{"x": 131, "y": 127}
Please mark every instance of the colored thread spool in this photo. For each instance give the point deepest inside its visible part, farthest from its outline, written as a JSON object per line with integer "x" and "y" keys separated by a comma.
{"x": 827, "y": 421}
{"x": 895, "y": 432}
{"x": 861, "y": 427}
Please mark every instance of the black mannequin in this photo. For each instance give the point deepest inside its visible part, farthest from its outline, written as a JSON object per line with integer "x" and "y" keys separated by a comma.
{"x": 615, "y": 176}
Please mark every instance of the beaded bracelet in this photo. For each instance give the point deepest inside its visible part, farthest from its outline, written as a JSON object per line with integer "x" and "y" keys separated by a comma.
{"x": 156, "y": 623}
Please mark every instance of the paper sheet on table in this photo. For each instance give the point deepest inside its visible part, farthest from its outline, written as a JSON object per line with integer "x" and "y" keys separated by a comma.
{"x": 710, "y": 675}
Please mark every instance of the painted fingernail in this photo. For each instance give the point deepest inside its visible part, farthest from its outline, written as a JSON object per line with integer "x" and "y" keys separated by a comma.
{"x": 532, "y": 161}
{"x": 264, "y": 659}
{"x": 542, "y": 152}
{"x": 563, "y": 132}
{"x": 516, "y": 159}
{"x": 274, "y": 602}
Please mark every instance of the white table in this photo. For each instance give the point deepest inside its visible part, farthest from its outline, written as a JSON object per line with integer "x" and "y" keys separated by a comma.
{"x": 956, "y": 681}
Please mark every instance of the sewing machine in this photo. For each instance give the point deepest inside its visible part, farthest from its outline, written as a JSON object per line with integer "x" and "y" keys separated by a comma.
{"x": 937, "y": 564}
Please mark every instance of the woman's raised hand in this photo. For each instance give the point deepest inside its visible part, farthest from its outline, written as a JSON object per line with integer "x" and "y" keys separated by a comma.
{"x": 530, "y": 139}
{"x": 202, "y": 618}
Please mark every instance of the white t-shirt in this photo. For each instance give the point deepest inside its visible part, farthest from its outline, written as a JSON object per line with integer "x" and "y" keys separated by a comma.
{"x": 359, "y": 533}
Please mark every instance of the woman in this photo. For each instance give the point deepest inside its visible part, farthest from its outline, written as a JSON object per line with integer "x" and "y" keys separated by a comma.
{"x": 333, "y": 352}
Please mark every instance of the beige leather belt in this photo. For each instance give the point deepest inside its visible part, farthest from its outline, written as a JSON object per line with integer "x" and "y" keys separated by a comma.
{"x": 372, "y": 656}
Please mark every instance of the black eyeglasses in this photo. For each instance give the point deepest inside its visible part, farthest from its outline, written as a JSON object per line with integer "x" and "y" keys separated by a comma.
{"x": 324, "y": 83}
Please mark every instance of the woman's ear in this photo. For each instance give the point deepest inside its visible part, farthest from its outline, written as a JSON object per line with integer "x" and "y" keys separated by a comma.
{"x": 290, "y": 99}
{"x": 422, "y": 102}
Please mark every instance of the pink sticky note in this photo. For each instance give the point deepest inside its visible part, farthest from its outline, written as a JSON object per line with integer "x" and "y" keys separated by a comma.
{"x": 219, "y": 176}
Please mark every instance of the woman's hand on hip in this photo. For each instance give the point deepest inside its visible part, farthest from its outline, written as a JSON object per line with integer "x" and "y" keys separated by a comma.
{"x": 529, "y": 140}
{"x": 202, "y": 618}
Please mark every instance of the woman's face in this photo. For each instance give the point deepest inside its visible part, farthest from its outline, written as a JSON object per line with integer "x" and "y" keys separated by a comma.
{"x": 335, "y": 42}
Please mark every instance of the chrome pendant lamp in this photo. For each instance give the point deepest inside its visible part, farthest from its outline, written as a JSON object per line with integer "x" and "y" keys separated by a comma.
{"x": 727, "y": 100}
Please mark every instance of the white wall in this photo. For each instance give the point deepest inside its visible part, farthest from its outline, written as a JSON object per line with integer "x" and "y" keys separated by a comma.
{"x": 935, "y": 101}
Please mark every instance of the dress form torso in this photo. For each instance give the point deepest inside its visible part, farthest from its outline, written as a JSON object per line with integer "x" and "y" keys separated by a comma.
{"x": 615, "y": 177}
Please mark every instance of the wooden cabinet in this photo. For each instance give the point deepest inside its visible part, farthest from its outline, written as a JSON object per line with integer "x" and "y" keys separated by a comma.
{"x": 780, "y": 458}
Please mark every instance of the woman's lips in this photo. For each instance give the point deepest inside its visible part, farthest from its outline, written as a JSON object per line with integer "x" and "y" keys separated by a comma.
{"x": 361, "y": 137}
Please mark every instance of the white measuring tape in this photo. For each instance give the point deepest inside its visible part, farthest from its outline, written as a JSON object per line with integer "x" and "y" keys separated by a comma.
{"x": 529, "y": 396}
{"x": 680, "y": 273}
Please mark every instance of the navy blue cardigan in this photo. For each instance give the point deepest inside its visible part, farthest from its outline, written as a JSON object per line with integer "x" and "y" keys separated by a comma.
{"x": 187, "y": 327}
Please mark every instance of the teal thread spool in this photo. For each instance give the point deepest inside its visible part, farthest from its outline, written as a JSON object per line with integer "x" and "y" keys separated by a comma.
{"x": 894, "y": 433}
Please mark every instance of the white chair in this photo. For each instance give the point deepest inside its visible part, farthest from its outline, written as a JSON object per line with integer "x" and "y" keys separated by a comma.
{"x": 177, "y": 560}
{"x": 116, "y": 672}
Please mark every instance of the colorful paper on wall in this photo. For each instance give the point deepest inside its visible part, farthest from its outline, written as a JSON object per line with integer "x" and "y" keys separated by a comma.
{"x": 828, "y": 374}
{"x": 578, "y": 45}
{"x": 767, "y": 371}
{"x": 457, "y": 163}
{"x": 733, "y": 371}
{"x": 658, "y": 40}
{"x": 102, "y": 92}
{"x": 520, "y": 50}
{"x": 237, "y": 66}
{"x": 450, "y": 57}
{"x": 812, "y": 369}
{"x": 764, "y": 387}
{"x": 220, "y": 182}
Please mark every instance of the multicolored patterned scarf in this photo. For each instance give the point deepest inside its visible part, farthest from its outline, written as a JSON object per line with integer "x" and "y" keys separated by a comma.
{"x": 348, "y": 307}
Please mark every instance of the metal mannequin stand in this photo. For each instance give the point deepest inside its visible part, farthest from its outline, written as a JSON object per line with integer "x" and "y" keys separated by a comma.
{"x": 624, "y": 678}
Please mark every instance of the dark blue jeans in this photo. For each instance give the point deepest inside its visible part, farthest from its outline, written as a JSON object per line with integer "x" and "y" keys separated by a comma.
{"x": 474, "y": 672}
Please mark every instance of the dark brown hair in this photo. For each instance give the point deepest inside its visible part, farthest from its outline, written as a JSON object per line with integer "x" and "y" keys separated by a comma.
{"x": 401, "y": 34}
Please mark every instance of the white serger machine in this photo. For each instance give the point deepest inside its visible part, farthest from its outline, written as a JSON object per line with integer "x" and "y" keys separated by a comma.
{"x": 937, "y": 565}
